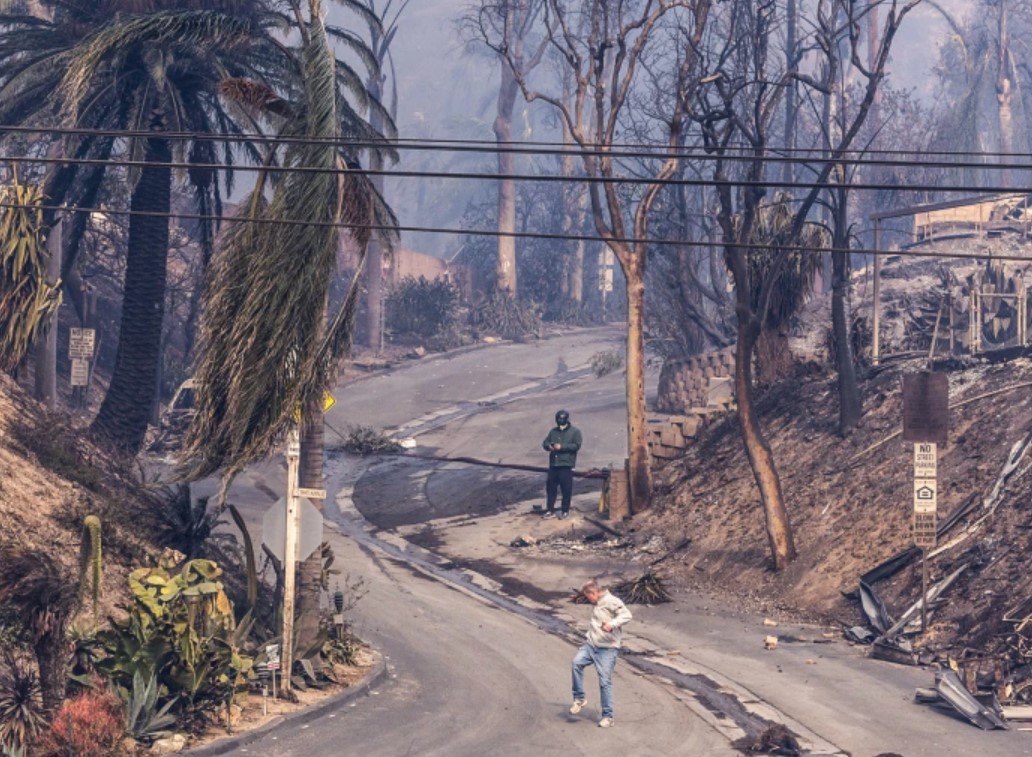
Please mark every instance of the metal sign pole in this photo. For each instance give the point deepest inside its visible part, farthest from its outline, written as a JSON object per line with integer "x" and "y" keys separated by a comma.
{"x": 290, "y": 558}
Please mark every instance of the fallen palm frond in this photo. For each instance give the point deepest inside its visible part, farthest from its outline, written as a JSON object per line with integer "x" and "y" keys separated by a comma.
{"x": 775, "y": 739}
{"x": 647, "y": 589}
{"x": 363, "y": 440}
{"x": 26, "y": 299}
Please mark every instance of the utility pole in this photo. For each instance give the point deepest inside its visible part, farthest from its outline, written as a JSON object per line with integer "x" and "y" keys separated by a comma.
{"x": 46, "y": 348}
{"x": 290, "y": 556}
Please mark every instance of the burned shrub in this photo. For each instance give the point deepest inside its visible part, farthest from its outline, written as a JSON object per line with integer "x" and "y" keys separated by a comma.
{"x": 422, "y": 308}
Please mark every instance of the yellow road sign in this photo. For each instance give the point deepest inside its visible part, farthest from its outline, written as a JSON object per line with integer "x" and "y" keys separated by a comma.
{"x": 328, "y": 401}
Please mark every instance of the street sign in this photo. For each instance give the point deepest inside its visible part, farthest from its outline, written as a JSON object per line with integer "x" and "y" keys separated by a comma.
{"x": 926, "y": 455}
{"x": 925, "y": 525}
{"x": 80, "y": 372}
{"x": 926, "y": 495}
{"x": 310, "y": 493}
{"x": 926, "y": 416}
{"x": 328, "y": 401}
{"x": 80, "y": 345}
{"x": 310, "y": 528}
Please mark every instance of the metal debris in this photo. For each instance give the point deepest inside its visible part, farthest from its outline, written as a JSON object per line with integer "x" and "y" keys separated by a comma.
{"x": 952, "y": 693}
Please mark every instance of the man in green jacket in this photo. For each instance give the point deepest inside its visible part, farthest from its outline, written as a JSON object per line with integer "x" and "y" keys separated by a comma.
{"x": 562, "y": 444}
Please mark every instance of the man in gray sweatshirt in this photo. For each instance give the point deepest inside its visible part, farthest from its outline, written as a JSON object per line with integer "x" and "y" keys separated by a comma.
{"x": 601, "y": 650}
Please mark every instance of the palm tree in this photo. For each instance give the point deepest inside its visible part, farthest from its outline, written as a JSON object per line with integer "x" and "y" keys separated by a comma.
{"x": 150, "y": 66}
{"x": 268, "y": 347}
{"x": 773, "y": 228}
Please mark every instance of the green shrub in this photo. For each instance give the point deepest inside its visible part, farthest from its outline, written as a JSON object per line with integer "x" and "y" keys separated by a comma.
{"x": 505, "y": 316}
{"x": 604, "y": 363}
{"x": 422, "y": 308}
{"x": 180, "y": 632}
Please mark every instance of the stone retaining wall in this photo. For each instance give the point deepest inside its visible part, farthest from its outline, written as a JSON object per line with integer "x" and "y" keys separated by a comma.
{"x": 698, "y": 381}
{"x": 691, "y": 390}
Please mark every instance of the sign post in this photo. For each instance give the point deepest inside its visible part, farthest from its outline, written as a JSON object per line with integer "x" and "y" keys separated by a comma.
{"x": 290, "y": 558}
{"x": 926, "y": 423}
{"x": 926, "y": 496}
{"x": 81, "y": 344}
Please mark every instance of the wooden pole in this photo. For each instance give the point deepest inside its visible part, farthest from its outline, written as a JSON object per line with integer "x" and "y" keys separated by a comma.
{"x": 924, "y": 589}
{"x": 290, "y": 555}
{"x": 46, "y": 349}
{"x": 876, "y": 348}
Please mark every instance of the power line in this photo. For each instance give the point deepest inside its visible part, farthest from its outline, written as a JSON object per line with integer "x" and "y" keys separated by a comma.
{"x": 547, "y": 178}
{"x": 623, "y": 150}
{"x": 516, "y": 234}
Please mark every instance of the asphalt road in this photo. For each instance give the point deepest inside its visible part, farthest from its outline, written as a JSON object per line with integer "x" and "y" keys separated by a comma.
{"x": 471, "y": 678}
{"x": 465, "y": 677}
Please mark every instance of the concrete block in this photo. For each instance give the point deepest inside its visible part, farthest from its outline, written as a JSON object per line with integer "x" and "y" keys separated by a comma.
{"x": 661, "y": 452}
{"x": 719, "y": 389}
{"x": 691, "y": 426}
{"x": 671, "y": 437}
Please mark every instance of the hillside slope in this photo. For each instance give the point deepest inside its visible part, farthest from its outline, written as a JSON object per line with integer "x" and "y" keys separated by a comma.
{"x": 50, "y": 480}
{"x": 851, "y": 508}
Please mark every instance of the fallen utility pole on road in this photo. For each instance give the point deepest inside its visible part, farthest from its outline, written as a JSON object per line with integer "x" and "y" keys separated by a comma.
{"x": 597, "y": 473}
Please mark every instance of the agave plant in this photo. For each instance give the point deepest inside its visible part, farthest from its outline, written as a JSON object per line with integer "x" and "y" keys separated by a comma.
{"x": 22, "y": 718}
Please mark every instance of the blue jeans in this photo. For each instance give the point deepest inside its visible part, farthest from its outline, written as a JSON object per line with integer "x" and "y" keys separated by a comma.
{"x": 604, "y": 660}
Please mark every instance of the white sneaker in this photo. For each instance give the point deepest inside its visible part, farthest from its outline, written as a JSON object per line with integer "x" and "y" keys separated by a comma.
{"x": 577, "y": 706}
{"x": 605, "y": 723}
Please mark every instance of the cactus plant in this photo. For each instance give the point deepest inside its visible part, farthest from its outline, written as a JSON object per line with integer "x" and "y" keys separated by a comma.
{"x": 89, "y": 560}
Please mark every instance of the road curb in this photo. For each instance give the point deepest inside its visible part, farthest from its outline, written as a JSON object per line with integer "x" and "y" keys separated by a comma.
{"x": 307, "y": 715}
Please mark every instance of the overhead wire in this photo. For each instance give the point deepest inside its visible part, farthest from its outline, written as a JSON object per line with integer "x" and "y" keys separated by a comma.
{"x": 547, "y": 178}
{"x": 694, "y": 244}
{"x": 621, "y": 150}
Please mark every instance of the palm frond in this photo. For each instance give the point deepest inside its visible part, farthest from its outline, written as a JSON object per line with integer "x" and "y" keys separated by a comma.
{"x": 268, "y": 292}
{"x": 26, "y": 299}
{"x": 112, "y": 43}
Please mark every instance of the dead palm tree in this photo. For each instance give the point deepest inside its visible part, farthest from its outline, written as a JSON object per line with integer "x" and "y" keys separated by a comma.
{"x": 773, "y": 228}
{"x": 267, "y": 346}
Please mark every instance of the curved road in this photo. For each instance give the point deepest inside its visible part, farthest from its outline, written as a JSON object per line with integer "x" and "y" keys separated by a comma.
{"x": 467, "y": 677}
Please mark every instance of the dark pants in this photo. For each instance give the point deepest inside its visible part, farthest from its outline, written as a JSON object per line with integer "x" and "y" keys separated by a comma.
{"x": 559, "y": 478}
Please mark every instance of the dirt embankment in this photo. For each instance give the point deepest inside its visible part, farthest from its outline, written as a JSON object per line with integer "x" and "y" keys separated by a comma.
{"x": 51, "y": 479}
{"x": 851, "y": 507}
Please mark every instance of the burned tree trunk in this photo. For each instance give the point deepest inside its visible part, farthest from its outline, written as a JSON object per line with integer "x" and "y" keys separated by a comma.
{"x": 637, "y": 436}
{"x": 779, "y": 529}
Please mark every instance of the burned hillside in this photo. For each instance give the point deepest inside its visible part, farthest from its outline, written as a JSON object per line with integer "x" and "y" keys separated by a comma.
{"x": 850, "y": 502}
